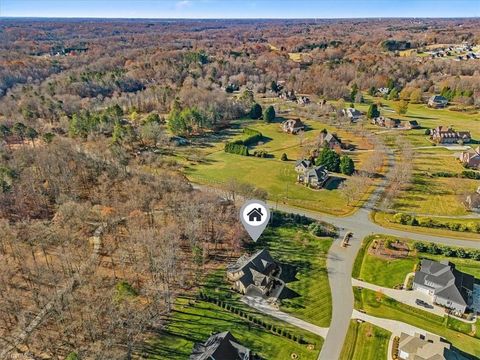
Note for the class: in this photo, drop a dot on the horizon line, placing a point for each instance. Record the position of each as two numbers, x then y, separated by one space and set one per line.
237 18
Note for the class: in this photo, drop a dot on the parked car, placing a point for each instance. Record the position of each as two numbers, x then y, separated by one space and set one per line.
423 303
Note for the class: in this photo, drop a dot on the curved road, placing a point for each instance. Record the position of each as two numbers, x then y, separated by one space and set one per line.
340 260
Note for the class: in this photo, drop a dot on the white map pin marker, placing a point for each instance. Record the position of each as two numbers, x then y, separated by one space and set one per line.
254 215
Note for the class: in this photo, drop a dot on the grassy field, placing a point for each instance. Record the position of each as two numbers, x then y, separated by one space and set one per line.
383 306
194 321
277 177
435 195
389 273
386 220
365 341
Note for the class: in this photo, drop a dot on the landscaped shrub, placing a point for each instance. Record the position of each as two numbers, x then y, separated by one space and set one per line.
253 136
235 148
432 248
406 219
319 229
260 153
284 157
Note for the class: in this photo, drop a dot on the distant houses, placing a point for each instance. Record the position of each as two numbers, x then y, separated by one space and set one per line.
411 124
303 100
446 285
386 122
437 102
352 113
422 347
293 126
447 135
314 177
471 158
221 346
254 274
330 140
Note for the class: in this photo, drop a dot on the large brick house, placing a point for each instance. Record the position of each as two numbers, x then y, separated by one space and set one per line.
471 158
447 135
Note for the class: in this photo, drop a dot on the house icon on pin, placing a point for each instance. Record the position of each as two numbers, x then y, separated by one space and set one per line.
255 214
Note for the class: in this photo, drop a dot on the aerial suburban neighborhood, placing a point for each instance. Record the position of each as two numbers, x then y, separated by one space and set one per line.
239 180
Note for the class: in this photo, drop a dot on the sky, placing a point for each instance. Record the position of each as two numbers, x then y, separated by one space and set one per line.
239 9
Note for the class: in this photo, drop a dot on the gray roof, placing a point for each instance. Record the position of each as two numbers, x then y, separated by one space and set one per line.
221 346
304 163
450 284
438 98
255 268
318 172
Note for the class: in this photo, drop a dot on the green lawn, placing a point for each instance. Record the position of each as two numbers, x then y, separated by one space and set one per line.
194 321
386 220
277 177
365 341
307 253
389 308
389 273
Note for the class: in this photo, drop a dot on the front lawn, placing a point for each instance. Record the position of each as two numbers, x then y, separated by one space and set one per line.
298 249
390 272
194 321
379 305
365 341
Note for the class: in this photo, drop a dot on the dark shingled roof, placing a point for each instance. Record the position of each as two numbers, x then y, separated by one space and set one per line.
451 284
222 346
253 266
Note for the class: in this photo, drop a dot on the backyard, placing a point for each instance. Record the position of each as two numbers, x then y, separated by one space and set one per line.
365 341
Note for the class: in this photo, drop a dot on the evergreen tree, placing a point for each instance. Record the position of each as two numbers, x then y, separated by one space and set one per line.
256 111
353 92
269 114
373 111
330 159
347 166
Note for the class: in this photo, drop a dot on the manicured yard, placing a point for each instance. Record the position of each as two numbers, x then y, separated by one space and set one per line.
365 341
194 321
388 273
382 306
277 177
307 254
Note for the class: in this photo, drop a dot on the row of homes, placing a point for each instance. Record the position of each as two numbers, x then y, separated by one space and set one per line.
390 123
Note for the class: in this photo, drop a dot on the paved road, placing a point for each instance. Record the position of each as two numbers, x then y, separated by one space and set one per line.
262 306
340 260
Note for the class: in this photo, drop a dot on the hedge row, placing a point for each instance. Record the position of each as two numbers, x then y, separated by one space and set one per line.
236 148
465 174
434 249
253 136
411 220
260 322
